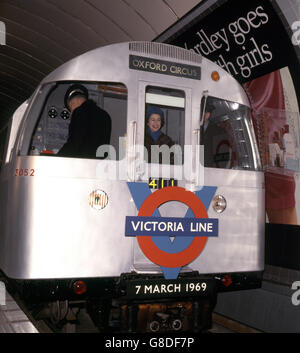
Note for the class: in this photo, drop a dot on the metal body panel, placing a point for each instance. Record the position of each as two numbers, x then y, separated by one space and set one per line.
48 228
240 244
61 236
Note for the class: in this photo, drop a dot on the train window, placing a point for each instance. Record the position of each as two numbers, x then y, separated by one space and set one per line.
3 138
164 125
227 135
52 131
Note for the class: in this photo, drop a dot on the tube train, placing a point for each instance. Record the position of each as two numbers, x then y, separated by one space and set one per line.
71 229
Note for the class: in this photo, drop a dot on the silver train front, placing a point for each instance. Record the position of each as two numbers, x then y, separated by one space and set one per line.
51 231
48 228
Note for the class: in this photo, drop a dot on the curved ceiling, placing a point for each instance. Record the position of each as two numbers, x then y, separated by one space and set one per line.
43 34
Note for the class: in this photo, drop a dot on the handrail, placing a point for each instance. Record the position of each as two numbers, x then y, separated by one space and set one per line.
132 158
205 94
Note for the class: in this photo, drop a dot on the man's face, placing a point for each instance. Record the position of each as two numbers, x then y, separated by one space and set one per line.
206 116
75 103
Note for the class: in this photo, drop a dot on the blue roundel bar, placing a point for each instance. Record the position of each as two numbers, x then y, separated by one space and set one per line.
171 226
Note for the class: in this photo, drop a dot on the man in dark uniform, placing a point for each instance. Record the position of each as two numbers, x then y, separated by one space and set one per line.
213 131
90 126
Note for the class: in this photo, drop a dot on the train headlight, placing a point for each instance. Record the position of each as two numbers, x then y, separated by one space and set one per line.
219 203
98 199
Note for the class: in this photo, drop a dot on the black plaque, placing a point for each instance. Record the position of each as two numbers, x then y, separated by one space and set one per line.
164 67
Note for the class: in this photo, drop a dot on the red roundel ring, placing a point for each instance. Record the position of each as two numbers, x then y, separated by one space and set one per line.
146 244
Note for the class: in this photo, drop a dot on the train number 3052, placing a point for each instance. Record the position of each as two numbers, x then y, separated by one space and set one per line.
24 172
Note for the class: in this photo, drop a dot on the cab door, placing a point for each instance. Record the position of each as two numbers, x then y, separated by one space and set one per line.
163 156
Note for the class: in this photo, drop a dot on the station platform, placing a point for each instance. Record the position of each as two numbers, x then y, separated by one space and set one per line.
12 318
270 308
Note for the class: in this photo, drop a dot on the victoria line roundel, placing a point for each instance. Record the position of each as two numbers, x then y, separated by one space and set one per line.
147 245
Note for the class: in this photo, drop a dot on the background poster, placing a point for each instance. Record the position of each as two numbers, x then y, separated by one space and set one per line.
275 116
248 41
251 43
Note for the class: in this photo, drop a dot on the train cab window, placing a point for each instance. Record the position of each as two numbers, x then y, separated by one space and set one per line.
164 125
53 127
3 138
227 135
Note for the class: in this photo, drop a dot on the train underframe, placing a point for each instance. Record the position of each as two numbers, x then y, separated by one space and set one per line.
112 305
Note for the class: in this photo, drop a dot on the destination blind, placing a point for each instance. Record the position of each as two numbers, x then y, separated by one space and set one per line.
164 67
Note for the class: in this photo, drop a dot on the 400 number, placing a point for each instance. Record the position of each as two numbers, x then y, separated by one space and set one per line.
161 183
